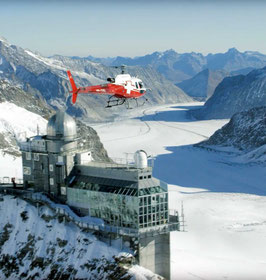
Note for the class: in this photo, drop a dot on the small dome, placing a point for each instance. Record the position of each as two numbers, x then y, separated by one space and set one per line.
61 126
141 159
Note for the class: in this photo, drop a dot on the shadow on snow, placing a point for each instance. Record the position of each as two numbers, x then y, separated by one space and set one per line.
192 167
181 115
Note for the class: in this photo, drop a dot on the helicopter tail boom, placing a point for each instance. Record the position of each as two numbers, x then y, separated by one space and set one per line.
75 90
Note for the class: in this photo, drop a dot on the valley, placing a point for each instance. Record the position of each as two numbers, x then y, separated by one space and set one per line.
224 201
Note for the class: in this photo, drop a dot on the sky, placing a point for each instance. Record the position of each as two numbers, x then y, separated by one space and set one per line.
133 28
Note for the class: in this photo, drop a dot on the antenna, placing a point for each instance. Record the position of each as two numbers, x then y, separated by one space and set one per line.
122 67
182 216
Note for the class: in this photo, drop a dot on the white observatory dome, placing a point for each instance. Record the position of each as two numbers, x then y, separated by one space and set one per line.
61 126
141 159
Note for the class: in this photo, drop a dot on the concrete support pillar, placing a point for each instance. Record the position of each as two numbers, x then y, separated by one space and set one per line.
154 254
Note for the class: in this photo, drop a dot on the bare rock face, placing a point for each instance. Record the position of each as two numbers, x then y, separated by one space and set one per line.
235 94
89 136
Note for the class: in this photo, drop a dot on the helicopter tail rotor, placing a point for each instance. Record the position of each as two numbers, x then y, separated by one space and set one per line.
74 87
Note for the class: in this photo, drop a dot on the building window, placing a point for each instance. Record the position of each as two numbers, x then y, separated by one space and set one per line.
51 168
26 170
51 181
28 155
63 190
36 157
60 159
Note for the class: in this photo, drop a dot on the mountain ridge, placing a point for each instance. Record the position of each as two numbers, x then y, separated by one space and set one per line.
48 77
235 94
178 67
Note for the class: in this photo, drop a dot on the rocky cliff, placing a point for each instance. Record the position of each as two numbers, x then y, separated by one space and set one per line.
246 131
235 94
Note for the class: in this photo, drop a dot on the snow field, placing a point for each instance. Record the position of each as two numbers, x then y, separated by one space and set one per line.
224 198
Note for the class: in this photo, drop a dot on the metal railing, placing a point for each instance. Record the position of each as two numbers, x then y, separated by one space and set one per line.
122 163
32 147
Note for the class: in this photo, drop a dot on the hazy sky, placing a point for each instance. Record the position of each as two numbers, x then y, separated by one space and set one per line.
132 28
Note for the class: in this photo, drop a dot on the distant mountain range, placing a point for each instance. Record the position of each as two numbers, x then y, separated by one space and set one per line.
47 77
178 67
235 94
246 132
202 85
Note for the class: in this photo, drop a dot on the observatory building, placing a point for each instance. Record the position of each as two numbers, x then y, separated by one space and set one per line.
130 202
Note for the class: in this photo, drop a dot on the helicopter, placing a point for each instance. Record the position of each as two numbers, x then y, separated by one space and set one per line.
122 88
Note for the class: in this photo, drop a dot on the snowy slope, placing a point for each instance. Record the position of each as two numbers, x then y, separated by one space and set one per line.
16 123
35 243
224 200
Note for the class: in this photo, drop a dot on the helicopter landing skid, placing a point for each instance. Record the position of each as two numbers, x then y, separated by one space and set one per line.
139 105
116 102
120 101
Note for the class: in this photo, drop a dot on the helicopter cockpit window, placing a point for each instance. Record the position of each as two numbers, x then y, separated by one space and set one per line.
141 85
137 86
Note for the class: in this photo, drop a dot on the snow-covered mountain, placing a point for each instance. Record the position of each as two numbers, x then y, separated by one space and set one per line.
176 67
235 94
30 100
23 114
48 77
246 131
202 85
38 243
181 66
17 123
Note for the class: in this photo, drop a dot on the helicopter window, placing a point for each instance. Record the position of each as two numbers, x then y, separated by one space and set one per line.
137 86
141 85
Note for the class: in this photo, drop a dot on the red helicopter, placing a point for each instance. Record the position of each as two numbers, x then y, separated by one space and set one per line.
121 88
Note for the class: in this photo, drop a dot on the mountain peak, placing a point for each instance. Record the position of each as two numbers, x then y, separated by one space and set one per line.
232 50
170 51
2 39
